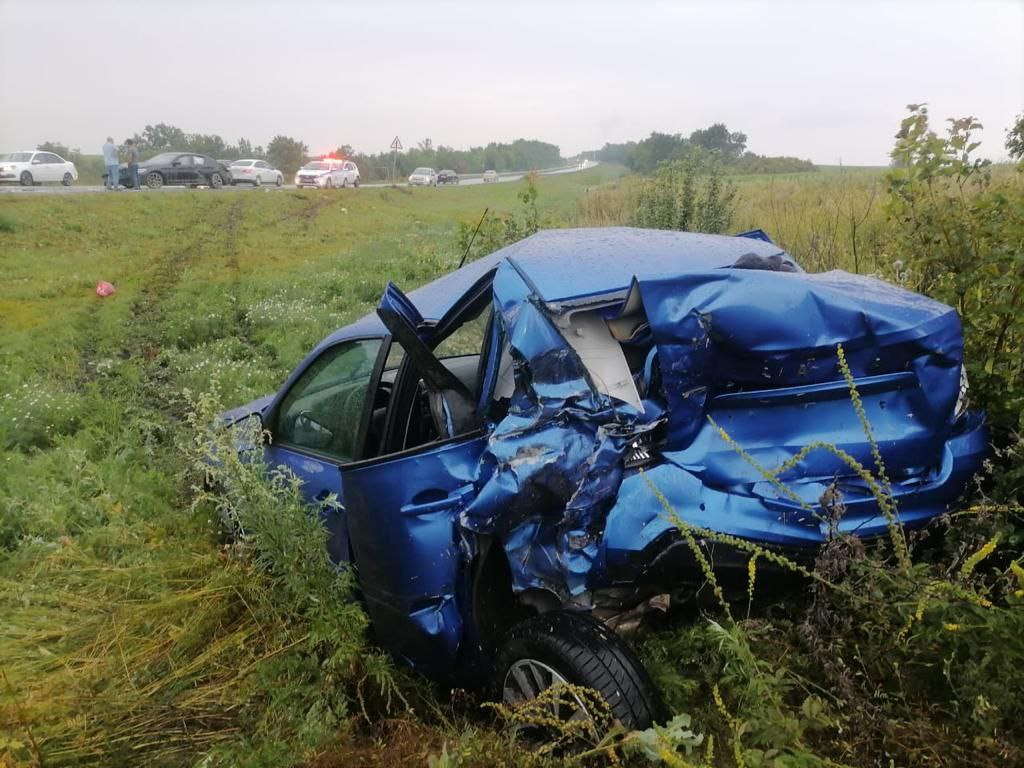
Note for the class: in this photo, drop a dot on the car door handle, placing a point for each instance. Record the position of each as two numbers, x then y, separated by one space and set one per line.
457 498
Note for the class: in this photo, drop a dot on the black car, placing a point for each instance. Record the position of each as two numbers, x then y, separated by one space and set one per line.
182 169
447 177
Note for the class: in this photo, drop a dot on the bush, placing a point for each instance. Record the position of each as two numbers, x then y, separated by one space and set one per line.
688 194
961 236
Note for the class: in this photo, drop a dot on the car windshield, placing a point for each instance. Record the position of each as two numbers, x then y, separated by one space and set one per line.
316 167
422 172
165 157
19 157
241 163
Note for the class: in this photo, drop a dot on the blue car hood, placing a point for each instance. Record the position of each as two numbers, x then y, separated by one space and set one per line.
255 407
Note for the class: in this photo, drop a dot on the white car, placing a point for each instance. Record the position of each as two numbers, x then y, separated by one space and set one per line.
327 173
490 176
32 167
255 172
425 177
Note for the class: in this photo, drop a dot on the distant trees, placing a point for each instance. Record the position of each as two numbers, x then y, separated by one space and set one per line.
287 154
520 155
1015 139
729 147
60 149
718 138
168 138
656 148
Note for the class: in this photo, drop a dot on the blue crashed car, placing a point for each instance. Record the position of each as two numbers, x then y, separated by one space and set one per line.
506 443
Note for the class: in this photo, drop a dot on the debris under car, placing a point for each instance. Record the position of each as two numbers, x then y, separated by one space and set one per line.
506 456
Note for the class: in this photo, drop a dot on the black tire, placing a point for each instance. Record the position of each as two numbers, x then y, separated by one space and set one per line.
356 183
344 183
154 180
257 182
216 180
584 652
68 180
26 179
280 180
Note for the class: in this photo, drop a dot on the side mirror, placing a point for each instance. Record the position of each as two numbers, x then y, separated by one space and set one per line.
176 163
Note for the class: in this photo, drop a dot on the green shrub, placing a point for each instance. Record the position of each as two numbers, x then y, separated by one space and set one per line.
961 236
689 194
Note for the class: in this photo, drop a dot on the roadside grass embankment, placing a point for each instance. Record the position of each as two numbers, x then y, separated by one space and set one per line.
130 636
127 635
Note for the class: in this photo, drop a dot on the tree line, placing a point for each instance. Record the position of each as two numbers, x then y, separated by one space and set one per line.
289 154
647 155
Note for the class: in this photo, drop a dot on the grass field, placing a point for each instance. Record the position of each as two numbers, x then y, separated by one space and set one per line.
129 636
224 291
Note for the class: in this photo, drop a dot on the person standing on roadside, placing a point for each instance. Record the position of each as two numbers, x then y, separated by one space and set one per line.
133 162
110 160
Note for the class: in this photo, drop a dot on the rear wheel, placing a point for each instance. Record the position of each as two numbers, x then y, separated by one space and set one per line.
25 179
68 180
216 180
563 647
258 182
154 180
280 180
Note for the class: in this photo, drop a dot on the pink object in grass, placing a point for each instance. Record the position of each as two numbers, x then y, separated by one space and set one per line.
103 289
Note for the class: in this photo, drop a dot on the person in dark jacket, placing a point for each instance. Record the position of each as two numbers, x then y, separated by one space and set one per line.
132 153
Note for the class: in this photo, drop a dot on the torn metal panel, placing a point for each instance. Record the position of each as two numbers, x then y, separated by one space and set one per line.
720 344
553 463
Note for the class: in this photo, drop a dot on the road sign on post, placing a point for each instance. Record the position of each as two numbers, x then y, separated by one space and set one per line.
396 147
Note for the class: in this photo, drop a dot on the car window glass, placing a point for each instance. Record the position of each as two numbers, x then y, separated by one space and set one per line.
184 160
48 158
261 164
468 338
396 354
200 160
323 410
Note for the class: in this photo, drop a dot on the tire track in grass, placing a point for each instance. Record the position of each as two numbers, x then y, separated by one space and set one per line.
149 311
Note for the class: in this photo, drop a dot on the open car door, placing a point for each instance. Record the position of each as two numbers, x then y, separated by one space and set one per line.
404 506
452 406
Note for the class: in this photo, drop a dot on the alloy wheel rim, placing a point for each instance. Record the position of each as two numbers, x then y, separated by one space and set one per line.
528 678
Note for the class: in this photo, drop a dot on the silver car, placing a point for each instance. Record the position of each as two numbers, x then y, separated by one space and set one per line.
423 177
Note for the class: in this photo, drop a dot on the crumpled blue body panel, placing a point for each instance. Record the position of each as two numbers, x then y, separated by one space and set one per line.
755 351
553 465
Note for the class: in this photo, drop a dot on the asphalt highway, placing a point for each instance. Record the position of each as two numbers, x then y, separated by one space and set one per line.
58 189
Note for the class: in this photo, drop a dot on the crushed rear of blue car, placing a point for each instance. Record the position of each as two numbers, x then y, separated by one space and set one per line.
504 446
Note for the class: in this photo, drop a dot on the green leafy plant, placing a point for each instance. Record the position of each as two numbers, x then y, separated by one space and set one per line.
961 235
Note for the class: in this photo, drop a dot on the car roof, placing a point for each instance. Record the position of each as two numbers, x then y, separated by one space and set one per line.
572 264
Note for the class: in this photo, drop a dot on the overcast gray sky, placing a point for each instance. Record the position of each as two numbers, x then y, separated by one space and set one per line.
820 80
